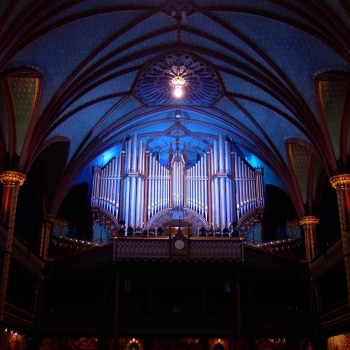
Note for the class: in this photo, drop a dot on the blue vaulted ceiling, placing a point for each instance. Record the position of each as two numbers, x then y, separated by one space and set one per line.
264 55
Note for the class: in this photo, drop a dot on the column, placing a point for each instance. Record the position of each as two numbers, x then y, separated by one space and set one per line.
309 225
11 181
342 185
39 295
46 222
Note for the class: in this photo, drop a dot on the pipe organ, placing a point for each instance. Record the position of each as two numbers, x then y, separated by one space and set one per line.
177 166
221 186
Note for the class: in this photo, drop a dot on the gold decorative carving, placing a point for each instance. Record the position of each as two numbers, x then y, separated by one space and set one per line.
46 219
309 220
12 178
340 181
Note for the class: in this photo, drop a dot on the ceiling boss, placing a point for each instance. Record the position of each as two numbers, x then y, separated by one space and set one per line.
178 79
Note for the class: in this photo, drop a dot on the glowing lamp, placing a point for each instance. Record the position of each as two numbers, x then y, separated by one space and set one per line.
178 91
178 82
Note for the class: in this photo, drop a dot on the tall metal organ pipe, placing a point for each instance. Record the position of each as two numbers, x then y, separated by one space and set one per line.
220 179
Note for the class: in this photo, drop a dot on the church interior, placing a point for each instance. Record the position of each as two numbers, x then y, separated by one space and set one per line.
175 174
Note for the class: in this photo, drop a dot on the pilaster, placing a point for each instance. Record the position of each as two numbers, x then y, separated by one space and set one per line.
309 224
11 181
46 222
341 183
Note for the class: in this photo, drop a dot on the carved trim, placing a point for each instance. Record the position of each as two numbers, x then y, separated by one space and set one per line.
157 78
108 220
331 257
309 220
340 181
12 178
249 219
164 218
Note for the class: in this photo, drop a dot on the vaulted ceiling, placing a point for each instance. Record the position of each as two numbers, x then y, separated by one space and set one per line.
78 77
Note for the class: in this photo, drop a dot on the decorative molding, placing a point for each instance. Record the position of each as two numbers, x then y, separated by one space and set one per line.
248 220
322 263
201 84
26 258
164 219
12 178
217 249
108 220
46 219
18 316
179 9
269 261
340 181
87 259
335 319
309 221
157 249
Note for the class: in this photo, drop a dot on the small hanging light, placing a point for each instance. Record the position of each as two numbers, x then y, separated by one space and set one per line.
178 82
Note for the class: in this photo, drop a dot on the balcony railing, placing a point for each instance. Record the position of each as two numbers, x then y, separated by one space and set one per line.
18 317
327 259
337 316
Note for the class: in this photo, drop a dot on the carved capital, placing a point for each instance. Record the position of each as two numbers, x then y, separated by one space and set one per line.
47 219
340 181
309 221
12 178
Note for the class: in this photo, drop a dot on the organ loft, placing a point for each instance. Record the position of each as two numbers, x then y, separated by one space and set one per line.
175 175
145 191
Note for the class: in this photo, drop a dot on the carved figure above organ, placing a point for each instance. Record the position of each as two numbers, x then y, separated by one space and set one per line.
219 187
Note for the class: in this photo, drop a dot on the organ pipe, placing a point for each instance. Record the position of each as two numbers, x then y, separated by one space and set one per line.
145 193
221 186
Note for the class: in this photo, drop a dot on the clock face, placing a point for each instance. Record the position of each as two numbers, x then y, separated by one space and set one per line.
179 244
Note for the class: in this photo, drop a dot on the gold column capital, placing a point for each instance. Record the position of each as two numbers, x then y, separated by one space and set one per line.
340 181
309 221
12 178
46 218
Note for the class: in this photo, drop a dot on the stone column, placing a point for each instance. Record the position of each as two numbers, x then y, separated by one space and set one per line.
309 225
11 181
46 222
341 183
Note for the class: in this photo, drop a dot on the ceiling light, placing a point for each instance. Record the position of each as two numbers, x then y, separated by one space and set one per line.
178 91
178 82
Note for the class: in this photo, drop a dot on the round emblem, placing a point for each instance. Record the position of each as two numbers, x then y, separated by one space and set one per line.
179 244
